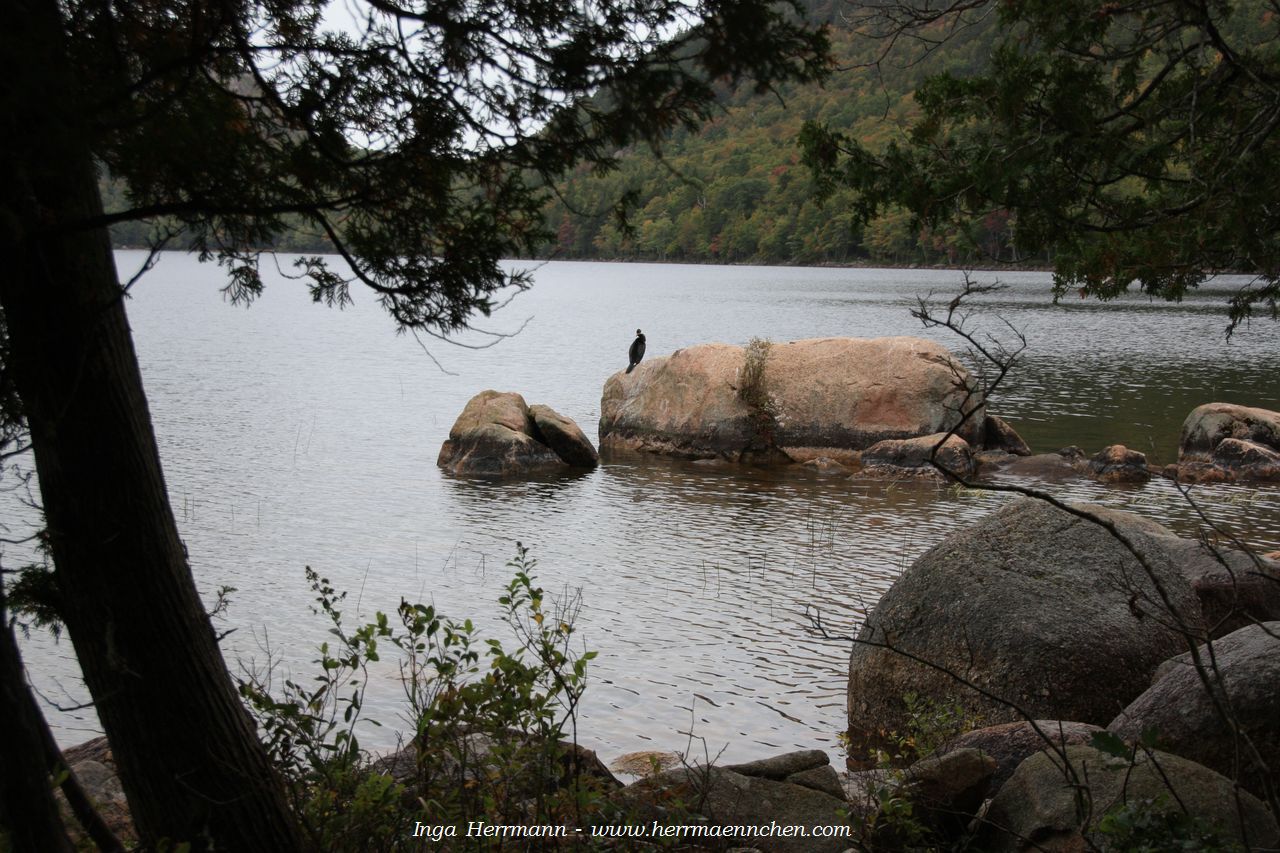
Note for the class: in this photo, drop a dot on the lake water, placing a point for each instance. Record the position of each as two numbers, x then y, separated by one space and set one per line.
297 435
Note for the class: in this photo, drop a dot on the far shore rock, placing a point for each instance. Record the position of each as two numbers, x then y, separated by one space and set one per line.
499 435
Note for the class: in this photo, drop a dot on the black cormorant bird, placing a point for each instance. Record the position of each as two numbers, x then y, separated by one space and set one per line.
636 352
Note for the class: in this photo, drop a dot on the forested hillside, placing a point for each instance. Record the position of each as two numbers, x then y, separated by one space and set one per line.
736 191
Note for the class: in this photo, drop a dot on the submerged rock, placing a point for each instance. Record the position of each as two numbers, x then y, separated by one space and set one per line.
823 465
1119 464
829 397
1049 467
644 763
1112 465
899 457
499 435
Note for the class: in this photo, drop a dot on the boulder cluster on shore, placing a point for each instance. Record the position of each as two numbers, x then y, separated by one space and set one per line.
1067 631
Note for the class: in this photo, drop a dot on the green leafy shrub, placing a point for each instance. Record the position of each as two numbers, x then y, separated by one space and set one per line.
489 722
1156 826
895 822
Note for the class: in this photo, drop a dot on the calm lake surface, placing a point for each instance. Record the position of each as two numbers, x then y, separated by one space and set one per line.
296 435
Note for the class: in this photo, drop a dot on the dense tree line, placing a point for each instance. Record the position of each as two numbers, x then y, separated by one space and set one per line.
1137 141
739 189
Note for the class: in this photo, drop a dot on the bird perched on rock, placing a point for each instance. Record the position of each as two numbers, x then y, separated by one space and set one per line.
636 352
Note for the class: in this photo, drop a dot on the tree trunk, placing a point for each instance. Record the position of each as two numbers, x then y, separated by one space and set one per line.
187 751
27 808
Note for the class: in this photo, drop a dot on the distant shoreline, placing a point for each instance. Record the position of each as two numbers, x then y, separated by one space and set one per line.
862 264
854 265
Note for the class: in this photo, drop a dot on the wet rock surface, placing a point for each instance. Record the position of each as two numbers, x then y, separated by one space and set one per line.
498 435
1224 442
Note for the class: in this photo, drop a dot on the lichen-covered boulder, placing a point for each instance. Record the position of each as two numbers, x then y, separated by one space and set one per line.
498 436
1031 604
1039 808
827 397
1187 722
1224 442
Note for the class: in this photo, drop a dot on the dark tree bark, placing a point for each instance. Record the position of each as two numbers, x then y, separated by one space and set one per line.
187 751
27 807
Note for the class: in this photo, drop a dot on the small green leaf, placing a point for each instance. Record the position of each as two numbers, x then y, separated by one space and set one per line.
1110 744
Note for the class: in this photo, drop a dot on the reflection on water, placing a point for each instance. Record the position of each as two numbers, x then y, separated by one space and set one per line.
295 436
